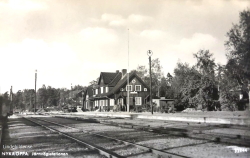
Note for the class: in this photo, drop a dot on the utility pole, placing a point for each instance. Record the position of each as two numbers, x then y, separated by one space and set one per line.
11 97
248 95
35 92
150 53
128 77
82 99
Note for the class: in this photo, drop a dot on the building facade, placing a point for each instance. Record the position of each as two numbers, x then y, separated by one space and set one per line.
88 101
112 91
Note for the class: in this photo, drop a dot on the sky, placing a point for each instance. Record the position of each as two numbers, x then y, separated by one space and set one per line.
72 41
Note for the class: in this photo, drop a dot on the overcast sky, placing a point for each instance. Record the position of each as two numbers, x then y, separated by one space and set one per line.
72 41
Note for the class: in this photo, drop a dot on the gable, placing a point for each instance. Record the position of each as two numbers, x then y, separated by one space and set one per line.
89 92
123 82
135 81
101 82
106 78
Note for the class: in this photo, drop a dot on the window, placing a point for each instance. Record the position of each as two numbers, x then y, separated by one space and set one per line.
107 89
101 90
137 100
112 102
96 91
129 87
137 87
145 89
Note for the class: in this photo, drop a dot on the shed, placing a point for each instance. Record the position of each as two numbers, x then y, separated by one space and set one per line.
163 103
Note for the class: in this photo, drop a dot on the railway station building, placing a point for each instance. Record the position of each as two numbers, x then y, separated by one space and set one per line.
111 92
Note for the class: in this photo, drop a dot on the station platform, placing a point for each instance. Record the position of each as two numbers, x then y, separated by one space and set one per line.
217 117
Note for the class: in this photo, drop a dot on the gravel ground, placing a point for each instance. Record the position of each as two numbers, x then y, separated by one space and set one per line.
23 136
227 131
209 150
113 145
179 145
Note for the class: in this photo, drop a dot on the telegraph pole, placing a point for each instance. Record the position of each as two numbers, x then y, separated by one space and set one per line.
35 91
128 77
249 95
11 97
150 53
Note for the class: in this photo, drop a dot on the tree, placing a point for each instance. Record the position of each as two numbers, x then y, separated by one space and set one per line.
28 99
165 87
157 75
94 83
78 87
169 79
208 90
1 106
205 64
53 96
142 72
4 104
42 96
17 100
185 86
195 86
236 73
228 85
238 47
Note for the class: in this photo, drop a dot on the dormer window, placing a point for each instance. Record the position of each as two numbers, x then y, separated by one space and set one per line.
101 90
145 89
107 89
137 87
96 91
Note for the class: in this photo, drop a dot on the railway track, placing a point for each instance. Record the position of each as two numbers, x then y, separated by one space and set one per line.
190 130
105 145
23 138
202 133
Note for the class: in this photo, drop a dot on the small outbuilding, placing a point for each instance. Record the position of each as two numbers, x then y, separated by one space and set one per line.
163 104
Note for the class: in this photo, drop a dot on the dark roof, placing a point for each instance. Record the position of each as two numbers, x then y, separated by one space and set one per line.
115 80
113 83
107 77
123 82
88 91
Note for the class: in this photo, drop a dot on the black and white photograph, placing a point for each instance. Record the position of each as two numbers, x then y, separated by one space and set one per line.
125 78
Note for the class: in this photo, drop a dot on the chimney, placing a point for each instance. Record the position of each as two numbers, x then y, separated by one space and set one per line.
124 72
117 71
